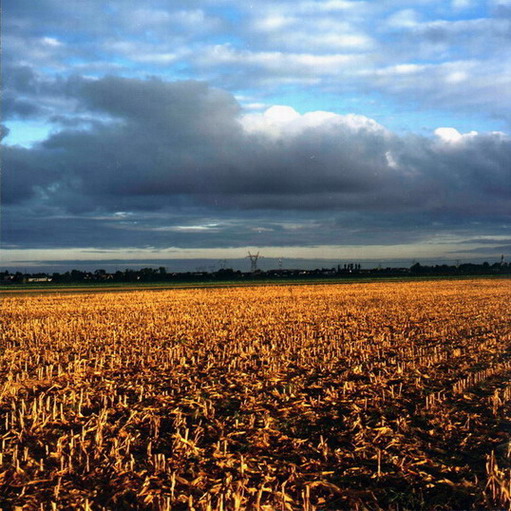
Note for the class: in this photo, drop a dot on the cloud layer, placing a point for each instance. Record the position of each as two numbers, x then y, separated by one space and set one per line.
226 124
159 151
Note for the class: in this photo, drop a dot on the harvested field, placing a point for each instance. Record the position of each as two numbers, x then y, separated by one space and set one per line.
387 396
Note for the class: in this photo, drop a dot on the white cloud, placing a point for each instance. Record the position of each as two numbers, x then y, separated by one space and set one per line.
146 53
51 41
459 5
449 135
457 77
406 18
271 122
330 6
196 19
391 162
498 3
401 69
281 114
273 22
169 20
284 121
157 58
255 106
282 63
143 17
324 41
314 33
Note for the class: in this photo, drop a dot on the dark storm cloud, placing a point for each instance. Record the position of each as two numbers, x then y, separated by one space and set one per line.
4 131
168 139
28 95
19 93
13 108
27 172
21 78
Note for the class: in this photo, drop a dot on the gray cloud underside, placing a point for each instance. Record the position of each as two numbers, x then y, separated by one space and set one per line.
201 228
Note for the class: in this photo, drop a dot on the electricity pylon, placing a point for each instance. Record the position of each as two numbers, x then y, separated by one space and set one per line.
253 261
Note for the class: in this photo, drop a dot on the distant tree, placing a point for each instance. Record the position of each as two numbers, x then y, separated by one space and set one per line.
416 268
76 276
130 275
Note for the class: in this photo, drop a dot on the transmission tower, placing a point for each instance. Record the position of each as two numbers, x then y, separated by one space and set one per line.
253 261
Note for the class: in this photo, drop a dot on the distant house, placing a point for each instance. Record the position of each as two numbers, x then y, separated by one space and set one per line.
39 279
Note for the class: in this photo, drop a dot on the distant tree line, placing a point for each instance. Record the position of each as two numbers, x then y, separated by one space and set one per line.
161 274
102 276
462 269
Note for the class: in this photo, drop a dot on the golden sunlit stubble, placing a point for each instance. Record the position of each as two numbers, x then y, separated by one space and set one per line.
363 396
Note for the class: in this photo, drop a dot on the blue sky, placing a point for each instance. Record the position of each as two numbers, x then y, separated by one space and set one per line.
376 129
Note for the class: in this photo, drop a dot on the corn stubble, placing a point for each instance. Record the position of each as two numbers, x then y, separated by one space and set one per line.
387 396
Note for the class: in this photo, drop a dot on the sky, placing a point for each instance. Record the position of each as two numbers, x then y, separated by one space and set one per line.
339 130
